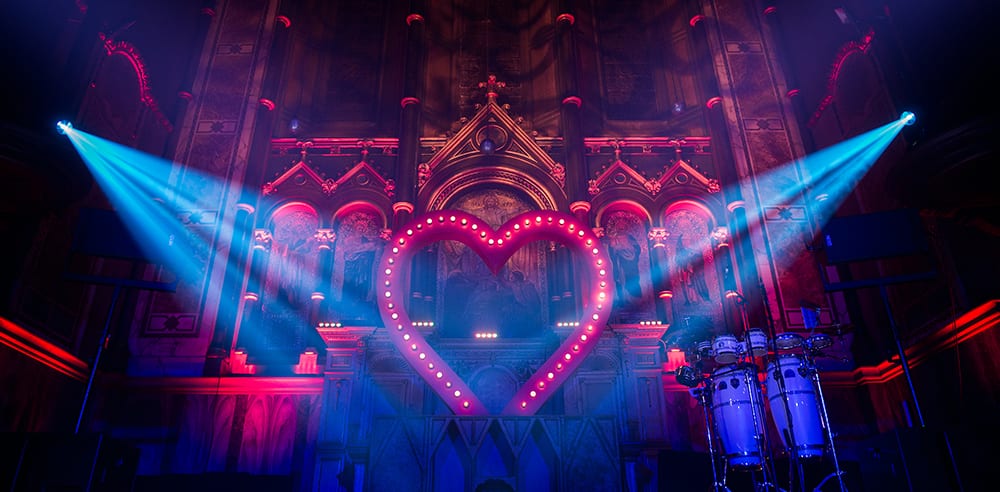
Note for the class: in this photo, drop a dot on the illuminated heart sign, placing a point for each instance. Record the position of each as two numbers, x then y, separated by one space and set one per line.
494 247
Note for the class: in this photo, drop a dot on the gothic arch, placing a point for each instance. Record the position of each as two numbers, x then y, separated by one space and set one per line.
438 196
623 205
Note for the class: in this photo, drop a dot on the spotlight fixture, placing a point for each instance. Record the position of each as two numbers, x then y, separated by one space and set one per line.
63 126
908 118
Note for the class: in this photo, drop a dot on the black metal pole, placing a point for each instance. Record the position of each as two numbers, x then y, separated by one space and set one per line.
794 465
97 358
902 353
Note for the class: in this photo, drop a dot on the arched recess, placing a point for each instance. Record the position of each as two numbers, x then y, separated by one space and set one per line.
113 104
291 276
695 283
625 225
359 227
443 187
512 302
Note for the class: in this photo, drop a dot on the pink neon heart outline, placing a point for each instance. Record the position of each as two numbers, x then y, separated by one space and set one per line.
494 247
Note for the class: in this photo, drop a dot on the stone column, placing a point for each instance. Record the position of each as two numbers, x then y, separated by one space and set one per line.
214 142
252 297
572 126
260 144
343 373
725 165
765 144
184 96
325 239
409 137
733 300
661 274
225 324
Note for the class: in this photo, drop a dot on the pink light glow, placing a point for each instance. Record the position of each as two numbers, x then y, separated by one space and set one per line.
494 247
851 48
126 49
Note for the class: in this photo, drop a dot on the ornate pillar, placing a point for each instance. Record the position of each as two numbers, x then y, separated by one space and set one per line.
260 145
409 138
235 268
225 324
725 165
186 95
765 146
337 466
325 239
645 405
572 126
733 301
252 297
661 274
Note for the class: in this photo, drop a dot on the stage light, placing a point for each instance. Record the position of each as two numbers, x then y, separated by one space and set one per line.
63 126
908 118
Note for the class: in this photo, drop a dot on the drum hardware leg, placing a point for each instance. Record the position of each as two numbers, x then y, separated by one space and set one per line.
760 427
829 431
793 450
795 469
763 444
839 474
716 485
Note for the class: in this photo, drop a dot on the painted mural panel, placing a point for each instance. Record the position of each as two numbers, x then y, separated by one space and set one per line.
359 246
473 298
697 299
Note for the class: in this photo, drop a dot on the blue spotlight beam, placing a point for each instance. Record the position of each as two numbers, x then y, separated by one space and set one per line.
832 172
142 188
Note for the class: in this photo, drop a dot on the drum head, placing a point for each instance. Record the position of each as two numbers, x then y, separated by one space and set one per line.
819 341
788 341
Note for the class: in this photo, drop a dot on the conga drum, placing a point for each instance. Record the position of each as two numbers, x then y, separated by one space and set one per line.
734 387
803 409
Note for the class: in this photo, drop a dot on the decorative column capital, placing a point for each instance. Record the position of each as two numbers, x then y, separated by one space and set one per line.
721 236
579 207
262 239
658 237
325 238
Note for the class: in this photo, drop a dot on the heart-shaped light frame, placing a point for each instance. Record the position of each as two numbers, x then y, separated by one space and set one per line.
494 247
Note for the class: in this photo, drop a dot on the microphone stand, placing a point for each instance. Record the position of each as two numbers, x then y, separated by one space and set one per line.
794 466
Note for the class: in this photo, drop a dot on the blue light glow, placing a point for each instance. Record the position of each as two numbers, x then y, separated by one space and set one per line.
173 213
63 126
